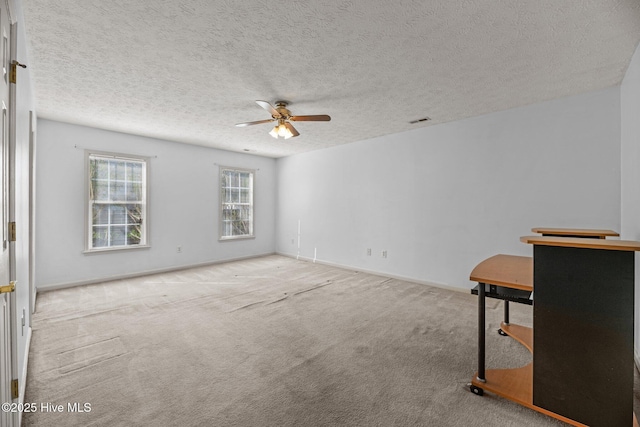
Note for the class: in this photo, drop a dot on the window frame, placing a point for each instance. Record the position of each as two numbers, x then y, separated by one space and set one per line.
222 203
88 227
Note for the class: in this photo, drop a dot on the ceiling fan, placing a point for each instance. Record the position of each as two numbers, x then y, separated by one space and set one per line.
280 114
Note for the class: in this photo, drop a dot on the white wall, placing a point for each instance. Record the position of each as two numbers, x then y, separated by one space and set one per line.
183 205
441 199
630 169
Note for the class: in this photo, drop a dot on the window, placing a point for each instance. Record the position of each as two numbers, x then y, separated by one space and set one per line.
236 202
117 205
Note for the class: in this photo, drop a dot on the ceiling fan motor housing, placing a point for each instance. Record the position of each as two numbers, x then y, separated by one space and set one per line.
281 107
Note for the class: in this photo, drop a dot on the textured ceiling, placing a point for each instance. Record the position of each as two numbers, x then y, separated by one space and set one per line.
189 70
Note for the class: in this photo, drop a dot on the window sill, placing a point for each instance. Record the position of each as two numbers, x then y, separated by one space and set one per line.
114 249
232 239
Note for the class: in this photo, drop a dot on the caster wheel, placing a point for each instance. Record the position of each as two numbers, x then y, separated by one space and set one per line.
476 390
503 333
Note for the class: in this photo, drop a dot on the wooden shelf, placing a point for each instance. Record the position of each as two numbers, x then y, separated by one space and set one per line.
522 334
516 385
510 271
577 242
584 232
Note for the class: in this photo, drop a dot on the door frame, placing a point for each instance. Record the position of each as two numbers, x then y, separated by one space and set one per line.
8 198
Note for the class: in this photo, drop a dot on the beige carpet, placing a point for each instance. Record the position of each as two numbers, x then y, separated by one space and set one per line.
267 342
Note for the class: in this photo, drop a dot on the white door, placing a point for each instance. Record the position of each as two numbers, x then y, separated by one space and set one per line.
7 298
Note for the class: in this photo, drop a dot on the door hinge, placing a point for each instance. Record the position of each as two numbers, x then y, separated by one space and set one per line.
15 389
12 231
13 73
8 288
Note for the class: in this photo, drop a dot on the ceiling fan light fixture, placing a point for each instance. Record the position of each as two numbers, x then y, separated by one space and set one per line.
284 132
280 131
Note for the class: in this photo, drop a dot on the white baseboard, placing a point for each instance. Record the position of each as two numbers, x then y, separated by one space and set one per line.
52 287
379 273
23 376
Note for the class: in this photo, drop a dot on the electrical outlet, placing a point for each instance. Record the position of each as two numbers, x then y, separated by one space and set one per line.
384 254
179 249
368 251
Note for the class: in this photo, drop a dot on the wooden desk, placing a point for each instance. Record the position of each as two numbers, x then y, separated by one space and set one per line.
575 232
559 342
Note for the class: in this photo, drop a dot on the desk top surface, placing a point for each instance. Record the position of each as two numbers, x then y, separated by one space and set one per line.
575 232
510 271
578 242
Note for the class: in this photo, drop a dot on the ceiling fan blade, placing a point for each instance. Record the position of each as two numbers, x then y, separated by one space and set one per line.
291 129
254 123
317 118
270 108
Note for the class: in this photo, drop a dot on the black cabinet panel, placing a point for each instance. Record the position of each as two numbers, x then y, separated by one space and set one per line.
583 334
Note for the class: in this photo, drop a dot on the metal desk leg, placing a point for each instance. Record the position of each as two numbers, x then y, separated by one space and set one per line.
481 332
506 318
506 312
